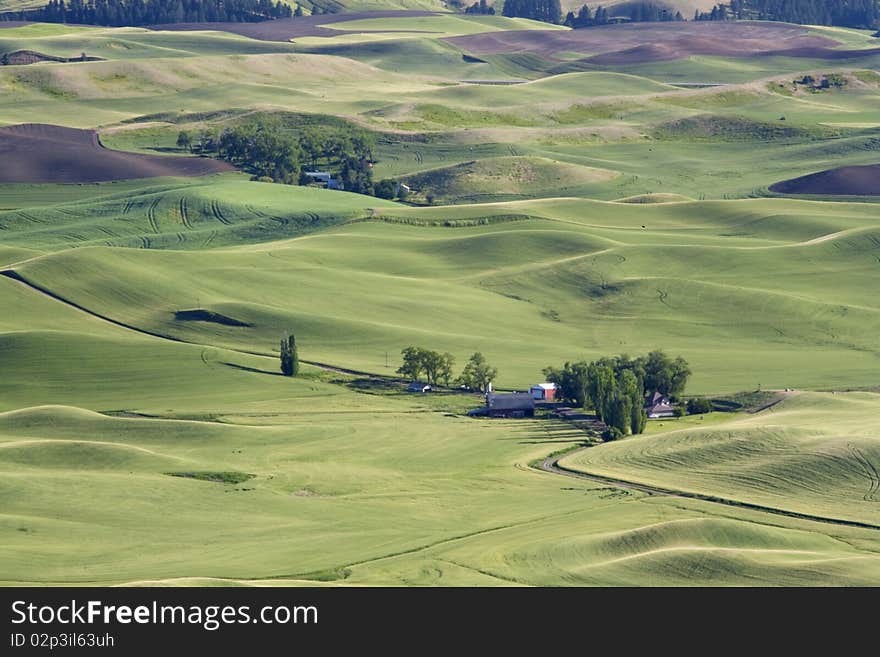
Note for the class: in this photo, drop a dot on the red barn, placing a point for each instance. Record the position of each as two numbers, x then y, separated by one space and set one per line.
543 391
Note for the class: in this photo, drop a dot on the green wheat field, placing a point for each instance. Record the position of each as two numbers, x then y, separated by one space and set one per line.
575 211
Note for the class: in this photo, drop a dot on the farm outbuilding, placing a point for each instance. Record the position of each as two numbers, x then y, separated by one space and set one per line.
513 404
543 391
326 178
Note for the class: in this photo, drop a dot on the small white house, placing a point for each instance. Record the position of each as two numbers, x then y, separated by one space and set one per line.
326 178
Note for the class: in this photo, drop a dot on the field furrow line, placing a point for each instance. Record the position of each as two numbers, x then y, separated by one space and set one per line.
870 472
30 217
151 215
218 213
184 217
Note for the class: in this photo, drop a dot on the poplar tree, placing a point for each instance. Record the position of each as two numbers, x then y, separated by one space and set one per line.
289 356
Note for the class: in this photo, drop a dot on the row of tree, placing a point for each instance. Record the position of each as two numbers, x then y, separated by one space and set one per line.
154 12
648 12
640 12
548 11
481 7
432 366
585 17
616 387
844 13
269 152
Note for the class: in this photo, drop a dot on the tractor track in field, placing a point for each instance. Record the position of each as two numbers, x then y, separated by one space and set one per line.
870 472
36 287
218 213
184 217
661 297
551 465
210 238
151 215
31 218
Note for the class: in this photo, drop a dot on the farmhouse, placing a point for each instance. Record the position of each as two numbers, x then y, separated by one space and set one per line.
658 405
324 177
514 404
543 391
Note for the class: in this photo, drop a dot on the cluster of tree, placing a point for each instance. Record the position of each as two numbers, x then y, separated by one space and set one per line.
480 8
390 189
640 12
648 12
477 373
844 13
153 12
586 18
547 11
699 405
615 387
289 356
828 81
435 368
269 152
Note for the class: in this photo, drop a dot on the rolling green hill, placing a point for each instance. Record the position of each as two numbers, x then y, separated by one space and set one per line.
789 456
794 277
576 211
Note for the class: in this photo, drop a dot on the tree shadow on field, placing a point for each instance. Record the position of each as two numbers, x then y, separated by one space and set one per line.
251 369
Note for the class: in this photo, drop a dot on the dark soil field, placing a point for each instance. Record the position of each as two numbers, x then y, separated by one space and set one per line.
285 29
843 181
21 57
37 153
649 42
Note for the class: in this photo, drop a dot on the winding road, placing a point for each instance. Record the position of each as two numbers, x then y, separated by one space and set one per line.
551 464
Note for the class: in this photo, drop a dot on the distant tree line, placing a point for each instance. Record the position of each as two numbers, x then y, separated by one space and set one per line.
480 7
435 368
116 13
270 153
547 11
640 12
616 387
843 13
585 17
